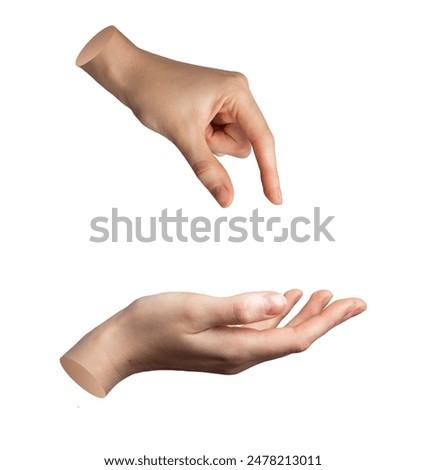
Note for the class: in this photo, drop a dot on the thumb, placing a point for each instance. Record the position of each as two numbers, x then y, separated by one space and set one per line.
207 168
242 309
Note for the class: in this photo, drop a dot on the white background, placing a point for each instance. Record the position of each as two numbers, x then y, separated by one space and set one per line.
342 85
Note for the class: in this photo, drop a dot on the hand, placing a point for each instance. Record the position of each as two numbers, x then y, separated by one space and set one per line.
184 331
203 111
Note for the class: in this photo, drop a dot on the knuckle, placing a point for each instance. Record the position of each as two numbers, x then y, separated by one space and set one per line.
234 361
238 80
233 371
300 343
343 304
266 140
240 311
268 137
201 167
301 346
191 309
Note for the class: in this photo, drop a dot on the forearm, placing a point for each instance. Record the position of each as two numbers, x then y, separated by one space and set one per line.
114 62
98 361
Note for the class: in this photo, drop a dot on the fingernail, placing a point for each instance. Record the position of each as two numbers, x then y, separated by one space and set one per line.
276 302
221 194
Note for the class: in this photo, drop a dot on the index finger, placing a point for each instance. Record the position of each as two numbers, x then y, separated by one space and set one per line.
254 125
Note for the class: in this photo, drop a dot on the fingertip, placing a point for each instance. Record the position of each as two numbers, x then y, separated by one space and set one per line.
294 293
354 307
278 196
223 195
324 293
208 169
274 195
360 305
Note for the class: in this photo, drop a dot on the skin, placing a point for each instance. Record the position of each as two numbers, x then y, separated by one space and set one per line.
194 332
205 112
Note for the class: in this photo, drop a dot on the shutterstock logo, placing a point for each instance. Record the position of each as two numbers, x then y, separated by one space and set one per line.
179 228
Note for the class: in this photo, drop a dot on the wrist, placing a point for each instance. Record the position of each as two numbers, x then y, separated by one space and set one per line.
111 59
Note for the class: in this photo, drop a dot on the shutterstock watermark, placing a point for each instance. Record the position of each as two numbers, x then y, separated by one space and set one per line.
179 228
